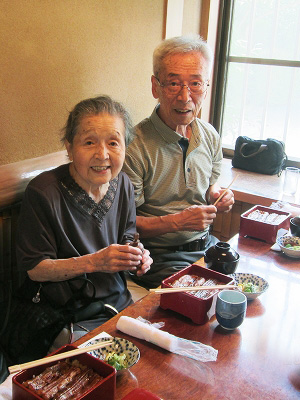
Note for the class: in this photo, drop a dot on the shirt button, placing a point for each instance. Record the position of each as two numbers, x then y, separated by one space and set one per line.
189 170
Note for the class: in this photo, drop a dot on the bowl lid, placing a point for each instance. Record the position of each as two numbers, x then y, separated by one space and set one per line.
221 252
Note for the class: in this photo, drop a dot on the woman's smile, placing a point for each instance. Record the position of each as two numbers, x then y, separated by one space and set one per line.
99 169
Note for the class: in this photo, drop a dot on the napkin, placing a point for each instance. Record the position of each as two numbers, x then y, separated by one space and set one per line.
6 388
141 330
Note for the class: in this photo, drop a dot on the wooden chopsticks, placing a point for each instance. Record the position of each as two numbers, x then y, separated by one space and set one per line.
57 357
225 191
191 288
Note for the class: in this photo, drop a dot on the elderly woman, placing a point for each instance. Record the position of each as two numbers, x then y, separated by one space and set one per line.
77 220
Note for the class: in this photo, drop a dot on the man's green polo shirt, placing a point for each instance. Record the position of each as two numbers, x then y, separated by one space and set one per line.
163 183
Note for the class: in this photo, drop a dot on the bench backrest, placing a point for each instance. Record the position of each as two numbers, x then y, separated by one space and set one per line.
13 181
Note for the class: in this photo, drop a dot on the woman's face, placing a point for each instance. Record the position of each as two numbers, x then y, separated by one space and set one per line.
97 151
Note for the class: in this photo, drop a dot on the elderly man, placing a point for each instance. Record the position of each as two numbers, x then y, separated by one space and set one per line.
175 161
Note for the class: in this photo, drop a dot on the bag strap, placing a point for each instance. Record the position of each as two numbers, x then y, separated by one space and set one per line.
87 309
92 307
86 281
261 148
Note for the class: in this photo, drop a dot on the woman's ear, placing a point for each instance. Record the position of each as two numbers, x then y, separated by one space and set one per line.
68 147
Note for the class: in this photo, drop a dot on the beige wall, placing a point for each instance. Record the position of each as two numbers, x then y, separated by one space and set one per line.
56 53
191 16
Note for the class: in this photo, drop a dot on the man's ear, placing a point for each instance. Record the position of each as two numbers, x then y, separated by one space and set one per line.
155 86
206 92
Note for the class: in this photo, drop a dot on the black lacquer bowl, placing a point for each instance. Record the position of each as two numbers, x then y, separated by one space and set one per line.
222 258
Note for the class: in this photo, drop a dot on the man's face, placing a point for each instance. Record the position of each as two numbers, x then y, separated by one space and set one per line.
179 110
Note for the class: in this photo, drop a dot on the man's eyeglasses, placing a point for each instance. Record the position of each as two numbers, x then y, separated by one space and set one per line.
173 87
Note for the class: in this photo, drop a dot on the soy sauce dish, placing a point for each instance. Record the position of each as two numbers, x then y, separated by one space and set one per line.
251 285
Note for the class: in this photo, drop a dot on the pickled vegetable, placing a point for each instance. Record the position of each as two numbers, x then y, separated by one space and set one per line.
248 287
117 361
289 246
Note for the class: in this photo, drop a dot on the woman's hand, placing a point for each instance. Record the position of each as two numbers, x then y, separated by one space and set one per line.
145 263
111 259
118 257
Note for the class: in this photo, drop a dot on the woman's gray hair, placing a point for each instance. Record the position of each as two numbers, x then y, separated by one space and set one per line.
181 44
95 106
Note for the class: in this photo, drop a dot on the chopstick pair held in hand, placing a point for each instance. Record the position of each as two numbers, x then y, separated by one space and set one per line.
225 191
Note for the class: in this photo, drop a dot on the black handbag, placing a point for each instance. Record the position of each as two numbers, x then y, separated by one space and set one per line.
31 320
261 156
30 329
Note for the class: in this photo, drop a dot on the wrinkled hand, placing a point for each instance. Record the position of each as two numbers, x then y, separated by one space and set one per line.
146 261
227 201
195 218
118 257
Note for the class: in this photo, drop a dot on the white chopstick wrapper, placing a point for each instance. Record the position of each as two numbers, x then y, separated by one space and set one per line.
196 350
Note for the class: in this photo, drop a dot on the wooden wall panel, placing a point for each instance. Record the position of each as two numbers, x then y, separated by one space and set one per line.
226 225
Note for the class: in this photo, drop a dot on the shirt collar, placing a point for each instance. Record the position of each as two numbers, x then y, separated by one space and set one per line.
168 134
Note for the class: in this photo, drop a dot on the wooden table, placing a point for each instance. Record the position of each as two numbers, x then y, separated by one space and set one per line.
254 188
259 360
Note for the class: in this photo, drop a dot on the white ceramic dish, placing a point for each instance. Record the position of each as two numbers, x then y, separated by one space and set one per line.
261 283
119 346
294 241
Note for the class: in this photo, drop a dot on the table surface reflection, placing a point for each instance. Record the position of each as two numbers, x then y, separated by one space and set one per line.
259 360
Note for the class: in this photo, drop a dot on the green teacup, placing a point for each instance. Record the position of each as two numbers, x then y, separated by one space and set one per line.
231 308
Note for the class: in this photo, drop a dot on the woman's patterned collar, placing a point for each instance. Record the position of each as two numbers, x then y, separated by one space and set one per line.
84 202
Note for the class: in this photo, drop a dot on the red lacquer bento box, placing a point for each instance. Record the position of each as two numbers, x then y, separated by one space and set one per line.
104 390
186 303
266 226
141 394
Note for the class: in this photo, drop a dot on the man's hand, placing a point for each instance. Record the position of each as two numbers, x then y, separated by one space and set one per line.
195 218
226 202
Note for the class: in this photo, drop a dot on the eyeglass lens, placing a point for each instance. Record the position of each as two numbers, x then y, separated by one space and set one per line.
175 89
